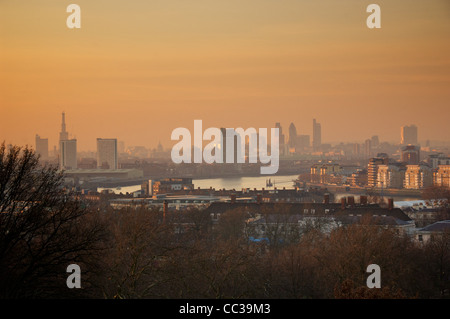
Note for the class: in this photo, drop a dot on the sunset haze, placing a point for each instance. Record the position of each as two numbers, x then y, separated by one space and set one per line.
137 70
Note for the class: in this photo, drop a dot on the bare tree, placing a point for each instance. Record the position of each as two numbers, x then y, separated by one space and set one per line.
141 245
346 253
232 224
437 253
347 290
43 229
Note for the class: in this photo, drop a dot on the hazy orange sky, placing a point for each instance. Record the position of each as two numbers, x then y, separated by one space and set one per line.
136 70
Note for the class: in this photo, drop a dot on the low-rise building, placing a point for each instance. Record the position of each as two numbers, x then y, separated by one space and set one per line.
166 185
358 178
438 229
324 172
424 212
285 219
157 201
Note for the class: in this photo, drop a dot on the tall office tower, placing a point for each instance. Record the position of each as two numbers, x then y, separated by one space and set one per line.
411 154
409 135
317 135
68 154
223 144
107 153
356 149
42 147
304 142
229 144
282 140
368 148
292 136
63 135
375 141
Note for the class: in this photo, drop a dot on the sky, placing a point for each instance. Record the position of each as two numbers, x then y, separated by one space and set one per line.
136 70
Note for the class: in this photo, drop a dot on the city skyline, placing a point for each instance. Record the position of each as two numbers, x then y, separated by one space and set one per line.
224 149
138 72
66 135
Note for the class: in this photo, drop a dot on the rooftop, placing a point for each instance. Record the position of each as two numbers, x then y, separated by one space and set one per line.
440 226
312 209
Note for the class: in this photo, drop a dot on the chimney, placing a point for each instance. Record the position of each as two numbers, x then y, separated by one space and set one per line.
390 203
343 202
351 201
165 210
363 200
326 198
259 198
233 198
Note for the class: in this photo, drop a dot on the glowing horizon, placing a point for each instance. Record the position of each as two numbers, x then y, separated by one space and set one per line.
136 72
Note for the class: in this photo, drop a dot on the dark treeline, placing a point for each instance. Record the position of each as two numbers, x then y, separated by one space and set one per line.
149 259
144 253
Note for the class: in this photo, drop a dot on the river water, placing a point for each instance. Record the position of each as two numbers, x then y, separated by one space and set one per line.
237 183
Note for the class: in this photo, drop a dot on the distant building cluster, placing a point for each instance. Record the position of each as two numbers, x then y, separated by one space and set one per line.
403 168
384 172
106 151
296 143
372 164
67 155
103 165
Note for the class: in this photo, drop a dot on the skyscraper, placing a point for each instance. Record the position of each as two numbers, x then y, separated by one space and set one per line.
42 147
230 144
317 135
223 144
368 148
67 148
304 142
107 153
68 154
63 135
409 135
292 136
282 139
375 141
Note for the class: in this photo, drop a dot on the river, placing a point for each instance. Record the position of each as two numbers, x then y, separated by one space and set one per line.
237 183
259 182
